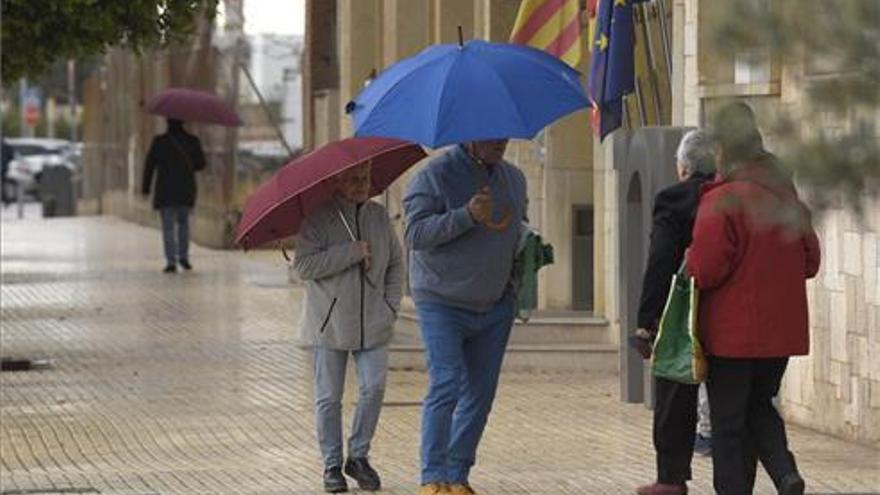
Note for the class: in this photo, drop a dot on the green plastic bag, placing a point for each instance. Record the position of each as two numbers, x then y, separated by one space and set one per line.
678 355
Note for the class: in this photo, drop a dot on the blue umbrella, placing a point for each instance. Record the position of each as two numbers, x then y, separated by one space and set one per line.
453 94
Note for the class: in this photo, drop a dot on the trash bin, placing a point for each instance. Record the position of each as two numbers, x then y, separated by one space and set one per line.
56 192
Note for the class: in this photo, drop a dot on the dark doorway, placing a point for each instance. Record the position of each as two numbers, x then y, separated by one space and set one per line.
582 257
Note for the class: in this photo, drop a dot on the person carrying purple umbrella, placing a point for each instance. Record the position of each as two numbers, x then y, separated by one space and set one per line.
461 275
348 255
174 157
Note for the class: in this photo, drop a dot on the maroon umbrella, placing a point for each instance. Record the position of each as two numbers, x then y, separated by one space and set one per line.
194 106
276 209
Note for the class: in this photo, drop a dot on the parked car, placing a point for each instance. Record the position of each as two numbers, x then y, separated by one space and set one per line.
32 155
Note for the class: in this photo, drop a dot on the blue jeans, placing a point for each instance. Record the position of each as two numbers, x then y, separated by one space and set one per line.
464 353
176 243
330 365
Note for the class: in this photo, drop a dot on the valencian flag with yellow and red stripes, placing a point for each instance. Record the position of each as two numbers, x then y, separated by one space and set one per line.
550 25
612 69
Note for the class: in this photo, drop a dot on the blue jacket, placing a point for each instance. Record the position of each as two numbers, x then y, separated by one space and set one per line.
453 260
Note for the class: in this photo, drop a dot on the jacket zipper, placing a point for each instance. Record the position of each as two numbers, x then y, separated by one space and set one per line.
329 312
357 223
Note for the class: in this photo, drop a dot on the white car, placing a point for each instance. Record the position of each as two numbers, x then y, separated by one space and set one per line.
32 155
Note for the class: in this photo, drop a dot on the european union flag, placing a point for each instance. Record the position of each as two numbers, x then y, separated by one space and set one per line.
612 70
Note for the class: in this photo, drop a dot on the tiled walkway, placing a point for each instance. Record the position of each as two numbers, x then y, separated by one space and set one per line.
192 383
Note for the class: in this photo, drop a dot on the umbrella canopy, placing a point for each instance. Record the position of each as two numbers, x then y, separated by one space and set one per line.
453 94
276 209
194 106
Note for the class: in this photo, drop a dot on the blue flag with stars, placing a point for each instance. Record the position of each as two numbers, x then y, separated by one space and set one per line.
612 69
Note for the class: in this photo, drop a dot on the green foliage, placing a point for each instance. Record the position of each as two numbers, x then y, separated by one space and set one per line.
63 129
35 34
12 121
53 81
12 125
831 139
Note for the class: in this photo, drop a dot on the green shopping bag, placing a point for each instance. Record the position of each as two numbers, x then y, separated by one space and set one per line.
678 355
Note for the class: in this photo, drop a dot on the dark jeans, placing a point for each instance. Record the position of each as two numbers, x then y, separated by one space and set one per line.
745 424
675 423
175 233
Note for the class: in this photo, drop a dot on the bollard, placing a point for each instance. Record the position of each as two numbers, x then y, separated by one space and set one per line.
49 205
19 198
56 192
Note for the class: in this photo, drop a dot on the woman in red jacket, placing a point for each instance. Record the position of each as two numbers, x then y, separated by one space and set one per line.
753 250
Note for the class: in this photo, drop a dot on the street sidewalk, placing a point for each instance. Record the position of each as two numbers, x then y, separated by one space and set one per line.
192 383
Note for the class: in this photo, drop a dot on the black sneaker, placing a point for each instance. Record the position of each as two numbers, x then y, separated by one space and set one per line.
334 481
792 484
170 268
185 264
367 477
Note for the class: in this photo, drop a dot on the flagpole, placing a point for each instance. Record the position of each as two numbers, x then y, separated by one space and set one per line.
667 49
652 64
640 99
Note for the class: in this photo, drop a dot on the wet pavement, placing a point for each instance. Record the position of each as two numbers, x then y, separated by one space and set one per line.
192 383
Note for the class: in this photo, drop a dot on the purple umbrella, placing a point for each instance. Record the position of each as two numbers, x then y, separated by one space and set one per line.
194 106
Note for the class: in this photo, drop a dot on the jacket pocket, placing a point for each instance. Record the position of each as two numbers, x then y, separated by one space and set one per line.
329 312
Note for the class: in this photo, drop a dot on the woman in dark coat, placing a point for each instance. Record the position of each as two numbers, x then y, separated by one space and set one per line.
174 158
753 249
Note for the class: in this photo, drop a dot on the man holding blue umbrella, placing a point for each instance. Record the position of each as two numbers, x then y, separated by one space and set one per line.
464 214
461 275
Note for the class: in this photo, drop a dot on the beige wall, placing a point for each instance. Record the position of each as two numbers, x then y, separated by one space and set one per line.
567 181
836 388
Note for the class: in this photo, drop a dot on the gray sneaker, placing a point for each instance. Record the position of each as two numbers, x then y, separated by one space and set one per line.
367 477
334 481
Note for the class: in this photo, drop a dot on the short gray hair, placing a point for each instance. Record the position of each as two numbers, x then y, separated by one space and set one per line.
696 152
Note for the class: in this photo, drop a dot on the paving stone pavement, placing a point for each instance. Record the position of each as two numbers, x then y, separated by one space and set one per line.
192 383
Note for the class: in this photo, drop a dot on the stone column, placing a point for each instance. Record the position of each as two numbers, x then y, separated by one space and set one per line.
404 29
678 62
691 77
405 33
493 19
360 50
448 15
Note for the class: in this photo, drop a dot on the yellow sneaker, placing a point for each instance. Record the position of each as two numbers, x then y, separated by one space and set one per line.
460 489
433 489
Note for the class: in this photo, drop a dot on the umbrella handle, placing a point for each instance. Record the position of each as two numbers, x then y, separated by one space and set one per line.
284 252
502 224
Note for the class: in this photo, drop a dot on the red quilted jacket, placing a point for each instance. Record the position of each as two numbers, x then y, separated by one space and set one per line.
753 249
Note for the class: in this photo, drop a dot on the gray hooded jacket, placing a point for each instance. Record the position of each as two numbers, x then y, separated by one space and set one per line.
348 308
